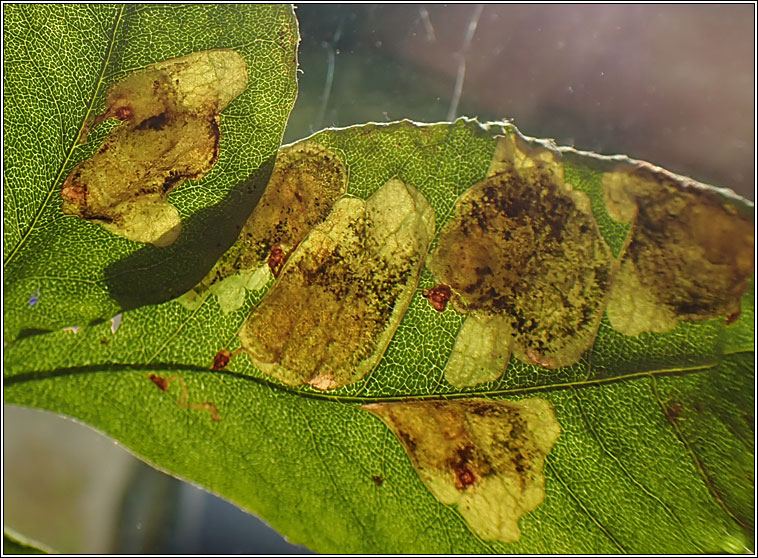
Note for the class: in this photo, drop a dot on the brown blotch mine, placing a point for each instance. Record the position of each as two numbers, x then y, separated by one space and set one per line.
485 456
169 133
673 409
341 295
689 255
306 182
525 246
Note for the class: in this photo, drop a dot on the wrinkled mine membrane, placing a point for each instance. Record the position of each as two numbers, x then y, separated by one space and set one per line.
306 182
484 456
169 133
525 258
689 255
342 293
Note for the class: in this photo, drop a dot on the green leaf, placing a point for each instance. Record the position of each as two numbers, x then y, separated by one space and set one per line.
655 453
13 543
59 60
626 475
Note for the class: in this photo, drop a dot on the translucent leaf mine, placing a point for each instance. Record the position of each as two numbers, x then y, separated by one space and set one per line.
480 353
689 255
306 182
342 293
169 133
485 456
523 246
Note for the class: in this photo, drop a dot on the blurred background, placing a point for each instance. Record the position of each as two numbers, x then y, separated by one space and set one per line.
671 84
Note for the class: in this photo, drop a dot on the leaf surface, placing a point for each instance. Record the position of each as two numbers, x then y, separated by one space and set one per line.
655 453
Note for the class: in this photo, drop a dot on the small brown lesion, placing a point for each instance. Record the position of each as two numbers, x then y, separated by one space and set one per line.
222 359
538 360
462 467
464 477
673 409
159 381
731 318
438 297
276 259
378 479
73 194
124 112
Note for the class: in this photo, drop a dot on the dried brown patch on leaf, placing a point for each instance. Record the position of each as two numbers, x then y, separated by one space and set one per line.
307 181
342 293
524 246
689 255
169 133
485 456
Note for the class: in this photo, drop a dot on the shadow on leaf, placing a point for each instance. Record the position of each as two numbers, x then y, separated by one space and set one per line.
155 275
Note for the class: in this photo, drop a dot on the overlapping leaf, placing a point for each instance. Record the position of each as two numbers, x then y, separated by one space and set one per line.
70 272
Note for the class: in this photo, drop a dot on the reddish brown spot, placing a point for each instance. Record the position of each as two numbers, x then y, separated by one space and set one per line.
464 477
438 297
123 113
378 480
276 260
162 383
221 359
731 318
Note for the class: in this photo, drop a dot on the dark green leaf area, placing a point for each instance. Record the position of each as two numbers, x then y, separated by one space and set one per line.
309 461
15 544
638 457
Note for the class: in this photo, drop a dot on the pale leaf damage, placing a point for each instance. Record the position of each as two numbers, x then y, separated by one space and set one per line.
342 293
689 254
485 456
169 133
524 255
